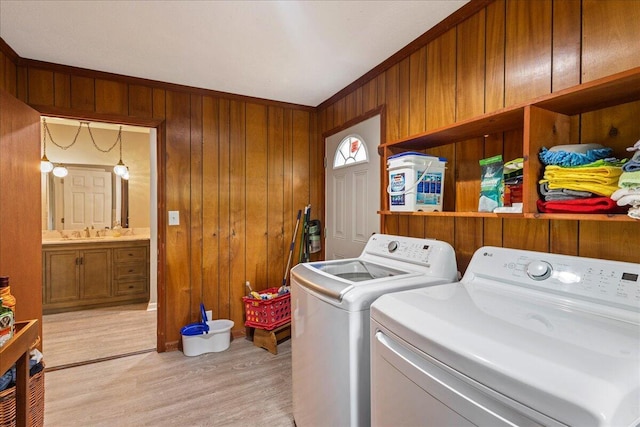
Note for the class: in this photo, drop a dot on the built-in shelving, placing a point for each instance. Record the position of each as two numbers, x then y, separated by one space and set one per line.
544 121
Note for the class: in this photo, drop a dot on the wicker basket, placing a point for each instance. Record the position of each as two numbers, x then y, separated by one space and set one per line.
35 403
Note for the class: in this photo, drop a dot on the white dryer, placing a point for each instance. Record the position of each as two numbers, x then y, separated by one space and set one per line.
330 322
525 338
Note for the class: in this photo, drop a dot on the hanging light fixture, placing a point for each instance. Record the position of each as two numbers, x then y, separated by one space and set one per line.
120 169
60 171
45 165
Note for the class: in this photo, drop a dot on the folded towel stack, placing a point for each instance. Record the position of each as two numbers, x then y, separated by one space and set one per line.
582 185
629 182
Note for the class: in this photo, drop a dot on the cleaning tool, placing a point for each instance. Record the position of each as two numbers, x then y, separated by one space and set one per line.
304 255
293 242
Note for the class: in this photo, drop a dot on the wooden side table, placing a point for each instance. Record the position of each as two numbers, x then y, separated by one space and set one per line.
16 350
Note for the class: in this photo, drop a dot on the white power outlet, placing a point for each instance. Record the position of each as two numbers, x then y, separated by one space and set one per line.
174 217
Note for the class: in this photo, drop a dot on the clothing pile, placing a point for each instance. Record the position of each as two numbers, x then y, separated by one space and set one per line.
628 193
579 178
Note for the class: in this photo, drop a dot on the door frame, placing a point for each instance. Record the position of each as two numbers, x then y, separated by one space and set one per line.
380 110
161 148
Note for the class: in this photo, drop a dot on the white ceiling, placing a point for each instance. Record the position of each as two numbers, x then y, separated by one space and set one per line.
301 52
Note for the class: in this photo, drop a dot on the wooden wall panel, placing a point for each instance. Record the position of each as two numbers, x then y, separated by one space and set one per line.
210 205
275 198
441 80
140 101
494 55
224 219
177 192
237 208
567 27
418 94
62 90
8 74
257 185
83 93
196 234
40 87
610 41
111 97
470 72
528 50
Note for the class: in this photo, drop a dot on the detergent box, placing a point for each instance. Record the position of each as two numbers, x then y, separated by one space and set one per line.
416 182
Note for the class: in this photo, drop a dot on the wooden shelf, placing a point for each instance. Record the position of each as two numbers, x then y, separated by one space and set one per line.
16 350
498 121
544 121
528 215
616 89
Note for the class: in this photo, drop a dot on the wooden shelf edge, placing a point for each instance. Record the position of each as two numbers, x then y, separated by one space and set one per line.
527 215
25 334
581 217
456 214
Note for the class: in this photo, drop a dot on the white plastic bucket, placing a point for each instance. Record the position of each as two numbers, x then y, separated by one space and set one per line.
416 182
217 339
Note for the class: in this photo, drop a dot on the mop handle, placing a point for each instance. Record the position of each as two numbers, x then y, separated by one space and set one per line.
293 242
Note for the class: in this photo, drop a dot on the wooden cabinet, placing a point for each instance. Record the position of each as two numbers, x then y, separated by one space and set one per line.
94 274
603 111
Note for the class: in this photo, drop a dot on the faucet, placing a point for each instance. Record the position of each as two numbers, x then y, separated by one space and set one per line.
86 232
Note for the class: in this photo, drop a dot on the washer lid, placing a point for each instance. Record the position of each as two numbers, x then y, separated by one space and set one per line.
356 270
335 278
576 367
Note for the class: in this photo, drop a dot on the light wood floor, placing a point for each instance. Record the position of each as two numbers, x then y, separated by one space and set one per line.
79 336
242 386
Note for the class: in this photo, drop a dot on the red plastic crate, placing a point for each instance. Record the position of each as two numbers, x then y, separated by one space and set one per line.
267 314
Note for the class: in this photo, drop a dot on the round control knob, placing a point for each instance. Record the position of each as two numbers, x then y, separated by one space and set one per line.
392 246
539 270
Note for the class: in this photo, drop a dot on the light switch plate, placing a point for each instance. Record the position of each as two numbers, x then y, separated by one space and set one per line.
174 218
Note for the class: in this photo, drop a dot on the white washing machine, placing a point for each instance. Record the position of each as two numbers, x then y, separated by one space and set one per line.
330 322
524 339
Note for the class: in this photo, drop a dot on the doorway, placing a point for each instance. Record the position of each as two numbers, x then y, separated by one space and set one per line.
70 337
352 188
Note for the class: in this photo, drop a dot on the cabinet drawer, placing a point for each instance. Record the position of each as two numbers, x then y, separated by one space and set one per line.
131 287
132 270
130 254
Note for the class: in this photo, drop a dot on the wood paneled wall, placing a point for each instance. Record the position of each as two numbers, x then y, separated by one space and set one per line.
508 52
236 168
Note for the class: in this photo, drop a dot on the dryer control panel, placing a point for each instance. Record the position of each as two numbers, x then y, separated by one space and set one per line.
609 282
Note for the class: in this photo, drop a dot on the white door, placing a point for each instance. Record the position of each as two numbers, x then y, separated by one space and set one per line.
87 199
352 188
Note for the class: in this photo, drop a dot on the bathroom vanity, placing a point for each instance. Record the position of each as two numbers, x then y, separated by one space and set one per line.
94 272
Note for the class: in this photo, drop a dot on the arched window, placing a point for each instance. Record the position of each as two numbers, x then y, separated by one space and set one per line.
350 151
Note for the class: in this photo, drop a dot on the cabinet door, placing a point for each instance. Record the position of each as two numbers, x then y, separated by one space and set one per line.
61 276
95 273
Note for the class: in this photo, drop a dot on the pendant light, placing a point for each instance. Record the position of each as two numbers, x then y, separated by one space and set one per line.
60 171
45 165
120 169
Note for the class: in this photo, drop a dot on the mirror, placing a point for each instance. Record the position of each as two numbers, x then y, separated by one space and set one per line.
92 154
90 195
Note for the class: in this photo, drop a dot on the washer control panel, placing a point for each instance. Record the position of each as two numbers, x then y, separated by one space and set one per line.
614 282
434 256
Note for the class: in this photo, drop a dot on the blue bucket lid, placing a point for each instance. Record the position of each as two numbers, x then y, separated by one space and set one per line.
194 329
414 153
